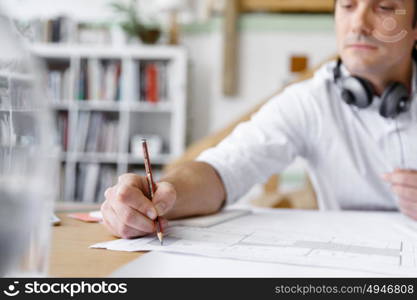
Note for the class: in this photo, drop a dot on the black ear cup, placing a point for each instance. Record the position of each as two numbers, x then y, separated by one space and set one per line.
394 100
357 91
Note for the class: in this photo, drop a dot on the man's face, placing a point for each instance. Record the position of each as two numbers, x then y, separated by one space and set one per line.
374 35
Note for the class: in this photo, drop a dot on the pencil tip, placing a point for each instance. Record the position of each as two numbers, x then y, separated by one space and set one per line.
160 237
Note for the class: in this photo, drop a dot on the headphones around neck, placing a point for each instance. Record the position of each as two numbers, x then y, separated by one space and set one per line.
359 92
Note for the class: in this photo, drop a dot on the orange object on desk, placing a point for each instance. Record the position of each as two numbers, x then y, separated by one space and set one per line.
85 217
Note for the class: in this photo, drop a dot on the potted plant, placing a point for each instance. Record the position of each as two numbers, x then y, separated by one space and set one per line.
133 26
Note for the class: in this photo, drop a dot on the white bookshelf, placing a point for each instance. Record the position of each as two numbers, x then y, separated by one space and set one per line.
166 118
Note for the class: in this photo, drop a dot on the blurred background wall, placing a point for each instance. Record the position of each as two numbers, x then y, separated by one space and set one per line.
267 42
258 49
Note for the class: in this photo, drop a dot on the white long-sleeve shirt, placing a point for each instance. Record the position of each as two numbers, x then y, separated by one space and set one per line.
347 149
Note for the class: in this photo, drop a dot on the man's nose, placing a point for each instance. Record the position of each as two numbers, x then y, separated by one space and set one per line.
361 23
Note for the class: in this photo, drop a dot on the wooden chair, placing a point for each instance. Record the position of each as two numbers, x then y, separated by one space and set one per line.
301 199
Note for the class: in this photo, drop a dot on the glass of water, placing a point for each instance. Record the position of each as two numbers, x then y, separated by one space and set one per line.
28 160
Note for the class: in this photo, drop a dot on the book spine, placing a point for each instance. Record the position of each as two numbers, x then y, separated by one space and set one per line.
65 133
56 29
152 94
118 75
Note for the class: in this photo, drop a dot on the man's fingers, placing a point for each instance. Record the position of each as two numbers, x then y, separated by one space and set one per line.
112 223
132 209
110 192
128 212
108 217
407 200
127 232
164 198
133 180
402 177
132 218
128 191
411 212
134 198
408 204
406 192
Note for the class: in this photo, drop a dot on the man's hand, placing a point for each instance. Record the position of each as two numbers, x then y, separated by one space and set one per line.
128 213
404 185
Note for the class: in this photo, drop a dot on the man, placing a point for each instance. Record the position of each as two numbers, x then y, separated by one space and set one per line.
357 158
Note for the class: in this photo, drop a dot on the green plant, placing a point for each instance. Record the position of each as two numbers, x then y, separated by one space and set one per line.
132 25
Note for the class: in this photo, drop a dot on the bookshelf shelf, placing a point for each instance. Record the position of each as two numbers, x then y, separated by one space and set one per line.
105 98
52 50
164 106
102 105
61 106
98 105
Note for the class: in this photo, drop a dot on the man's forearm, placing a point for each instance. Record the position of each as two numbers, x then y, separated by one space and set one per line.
199 190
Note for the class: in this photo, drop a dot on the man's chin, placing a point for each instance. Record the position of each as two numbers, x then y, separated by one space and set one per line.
360 65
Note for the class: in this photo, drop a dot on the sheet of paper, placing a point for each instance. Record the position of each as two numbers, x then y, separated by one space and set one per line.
368 242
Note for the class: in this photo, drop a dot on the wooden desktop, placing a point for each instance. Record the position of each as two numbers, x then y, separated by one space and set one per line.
70 253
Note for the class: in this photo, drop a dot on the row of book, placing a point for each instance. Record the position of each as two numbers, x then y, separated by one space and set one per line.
65 30
56 30
96 132
99 80
153 81
92 181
